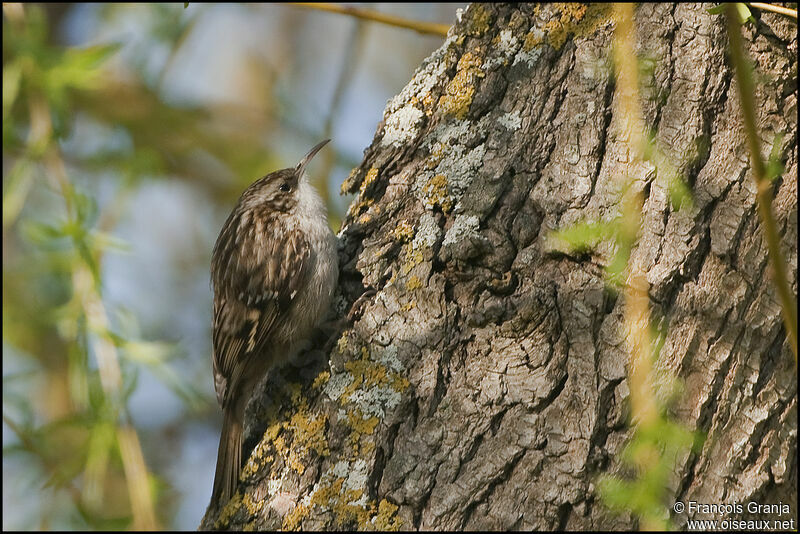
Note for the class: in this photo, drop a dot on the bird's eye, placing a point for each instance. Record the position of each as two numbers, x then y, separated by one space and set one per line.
286 187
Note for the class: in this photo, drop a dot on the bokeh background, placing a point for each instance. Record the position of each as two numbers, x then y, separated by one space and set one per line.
129 131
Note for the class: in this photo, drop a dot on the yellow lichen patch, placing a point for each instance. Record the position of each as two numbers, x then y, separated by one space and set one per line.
258 459
280 445
480 20
386 518
310 432
371 176
436 155
572 10
360 425
272 431
399 382
366 217
532 39
458 94
295 461
413 283
595 15
340 502
234 504
557 33
341 343
578 20
365 374
410 305
403 231
435 193
321 380
428 101
307 434
357 207
364 449
348 183
253 507
413 257
296 394
292 520
326 493
346 512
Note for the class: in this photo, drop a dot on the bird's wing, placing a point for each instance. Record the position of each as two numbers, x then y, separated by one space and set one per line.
252 295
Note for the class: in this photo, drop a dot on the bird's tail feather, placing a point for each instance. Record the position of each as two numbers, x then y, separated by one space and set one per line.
229 459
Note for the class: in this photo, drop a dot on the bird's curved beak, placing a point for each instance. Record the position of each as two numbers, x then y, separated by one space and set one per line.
313 152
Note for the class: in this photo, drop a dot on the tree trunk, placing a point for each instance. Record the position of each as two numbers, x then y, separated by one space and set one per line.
482 383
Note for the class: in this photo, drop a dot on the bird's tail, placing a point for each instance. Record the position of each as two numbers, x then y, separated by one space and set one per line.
229 459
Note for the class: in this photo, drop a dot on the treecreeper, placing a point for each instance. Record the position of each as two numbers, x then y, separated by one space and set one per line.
273 271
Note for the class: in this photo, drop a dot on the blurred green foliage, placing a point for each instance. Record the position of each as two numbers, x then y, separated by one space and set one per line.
650 457
78 360
742 11
641 482
658 444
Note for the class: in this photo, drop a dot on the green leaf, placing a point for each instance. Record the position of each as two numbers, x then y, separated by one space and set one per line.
679 194
80 67
18 184
77 377
774 166
105 241
88 258
41 233
615 271
99 447
12 75
86 207
744 13
149 352
741 9
584 236
130 380
76 68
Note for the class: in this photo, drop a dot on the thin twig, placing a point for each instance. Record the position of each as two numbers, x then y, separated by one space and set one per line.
644 408
432 28
763 185
775 9
637 309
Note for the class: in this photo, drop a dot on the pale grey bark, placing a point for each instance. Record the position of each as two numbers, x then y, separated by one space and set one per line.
483 384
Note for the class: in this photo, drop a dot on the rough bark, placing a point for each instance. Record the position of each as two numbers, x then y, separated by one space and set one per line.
483 383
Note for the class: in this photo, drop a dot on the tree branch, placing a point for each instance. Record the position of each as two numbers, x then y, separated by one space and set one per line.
775 9
374 16
763 185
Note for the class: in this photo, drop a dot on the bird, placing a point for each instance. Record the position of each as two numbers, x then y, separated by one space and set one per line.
274 269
